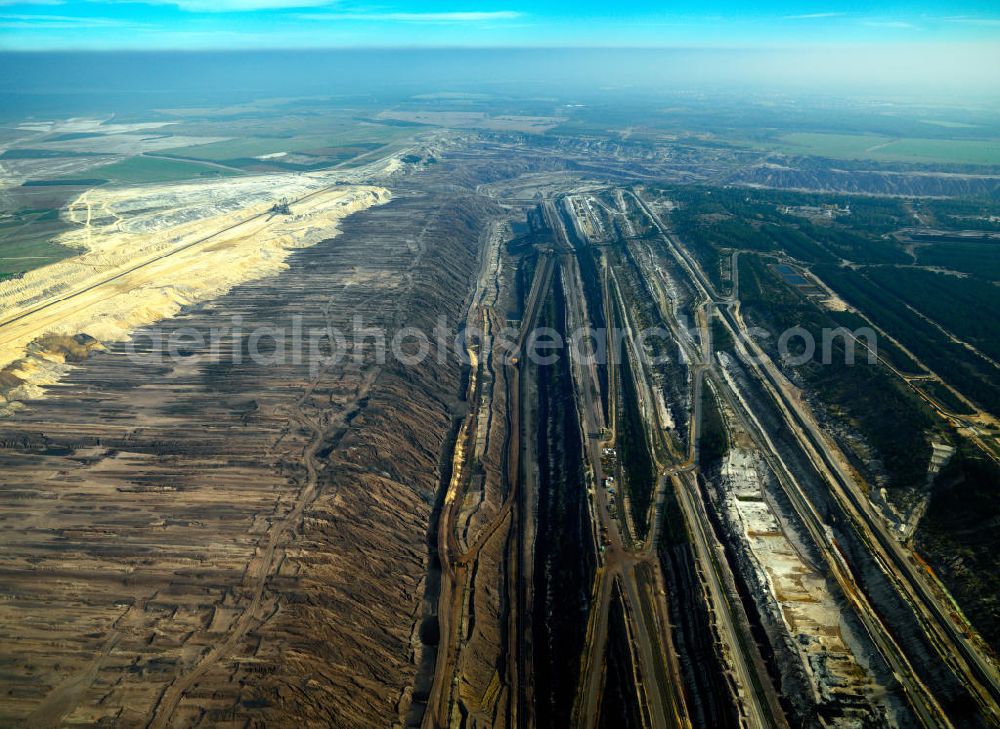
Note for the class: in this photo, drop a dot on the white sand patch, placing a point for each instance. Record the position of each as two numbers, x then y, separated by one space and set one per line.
89 126
148 251
835 303
806 606
127 144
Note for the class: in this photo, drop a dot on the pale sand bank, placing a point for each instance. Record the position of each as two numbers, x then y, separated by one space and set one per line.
147 251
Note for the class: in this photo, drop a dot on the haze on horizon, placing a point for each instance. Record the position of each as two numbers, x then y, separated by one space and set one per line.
929 49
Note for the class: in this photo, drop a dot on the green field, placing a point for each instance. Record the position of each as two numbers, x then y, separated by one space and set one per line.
949 124
19 257
26 241
888 149
236 149
156 169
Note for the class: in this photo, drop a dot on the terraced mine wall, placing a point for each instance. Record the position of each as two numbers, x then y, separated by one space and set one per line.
564 563
428 637
620 707
779 667
586 257
955 700
825 176
200 542
669 361
706 688
784 665
638 467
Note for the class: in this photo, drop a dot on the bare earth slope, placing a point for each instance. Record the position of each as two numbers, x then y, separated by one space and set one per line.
194 543
150 250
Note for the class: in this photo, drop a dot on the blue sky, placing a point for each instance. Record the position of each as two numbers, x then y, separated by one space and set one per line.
192 24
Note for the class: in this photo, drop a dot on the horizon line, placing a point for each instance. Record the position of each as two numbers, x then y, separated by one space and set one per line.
522 47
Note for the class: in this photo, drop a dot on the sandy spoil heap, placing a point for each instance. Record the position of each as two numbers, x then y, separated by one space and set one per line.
148 251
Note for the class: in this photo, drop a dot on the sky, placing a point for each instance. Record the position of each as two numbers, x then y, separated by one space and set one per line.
285 24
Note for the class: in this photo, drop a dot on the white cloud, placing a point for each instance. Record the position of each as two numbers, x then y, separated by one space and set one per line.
895 24
44 19
60 22
454 17
229 6
812 16
969 20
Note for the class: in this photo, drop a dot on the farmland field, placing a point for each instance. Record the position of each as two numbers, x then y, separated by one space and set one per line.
26 241
888 149
156 169
256 146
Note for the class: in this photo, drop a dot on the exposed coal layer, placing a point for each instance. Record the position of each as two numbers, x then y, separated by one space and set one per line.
620 708
593 295
957 703
706 689
564 566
